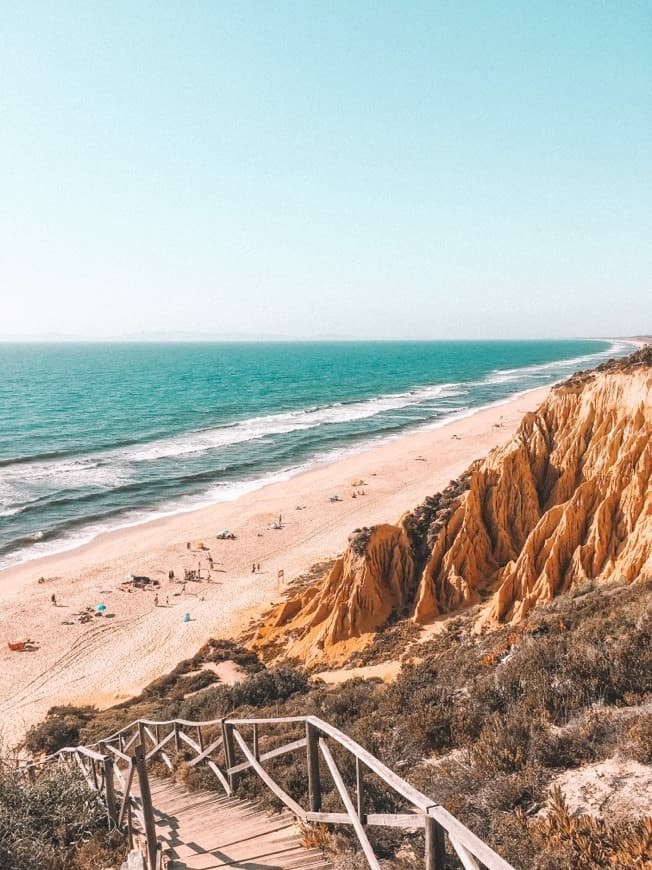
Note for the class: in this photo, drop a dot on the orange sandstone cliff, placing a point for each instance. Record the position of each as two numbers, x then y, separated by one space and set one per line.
567 499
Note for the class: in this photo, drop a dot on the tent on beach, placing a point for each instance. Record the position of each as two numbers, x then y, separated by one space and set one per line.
140 582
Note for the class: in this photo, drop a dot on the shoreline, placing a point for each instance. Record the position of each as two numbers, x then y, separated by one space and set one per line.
272 478
86 534
103 661
109 659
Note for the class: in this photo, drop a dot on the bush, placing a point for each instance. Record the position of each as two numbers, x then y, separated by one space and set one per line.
60 728
480 723
54 822
592 843
266 687
637 738
591 737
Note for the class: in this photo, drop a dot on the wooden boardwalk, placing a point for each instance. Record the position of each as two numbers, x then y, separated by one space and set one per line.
202 830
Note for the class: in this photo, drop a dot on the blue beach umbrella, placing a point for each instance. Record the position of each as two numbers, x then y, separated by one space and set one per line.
100 608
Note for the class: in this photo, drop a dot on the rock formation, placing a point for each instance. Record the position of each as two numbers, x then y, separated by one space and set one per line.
567 499
373 578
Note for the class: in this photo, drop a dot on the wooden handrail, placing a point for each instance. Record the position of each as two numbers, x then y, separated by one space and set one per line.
415 797
425 814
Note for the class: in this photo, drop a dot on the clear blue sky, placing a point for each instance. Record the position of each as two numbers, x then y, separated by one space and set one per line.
386 169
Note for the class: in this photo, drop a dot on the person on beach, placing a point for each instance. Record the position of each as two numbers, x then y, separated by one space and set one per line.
258 567
253 568
156 600
53 599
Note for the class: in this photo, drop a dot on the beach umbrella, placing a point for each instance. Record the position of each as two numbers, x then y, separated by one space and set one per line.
100 608
186 617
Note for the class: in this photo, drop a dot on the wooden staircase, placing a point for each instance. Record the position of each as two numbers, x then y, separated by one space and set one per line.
206 829
202 830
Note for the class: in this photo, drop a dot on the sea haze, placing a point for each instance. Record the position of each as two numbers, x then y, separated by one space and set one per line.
98 436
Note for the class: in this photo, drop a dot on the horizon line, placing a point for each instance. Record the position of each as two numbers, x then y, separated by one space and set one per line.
229 338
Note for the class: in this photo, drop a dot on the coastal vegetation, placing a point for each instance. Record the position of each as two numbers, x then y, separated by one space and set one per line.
509 620
51 821
485 723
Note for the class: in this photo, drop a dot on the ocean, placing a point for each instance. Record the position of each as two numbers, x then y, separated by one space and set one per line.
98 436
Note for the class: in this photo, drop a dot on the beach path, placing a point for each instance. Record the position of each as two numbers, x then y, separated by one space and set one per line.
206 830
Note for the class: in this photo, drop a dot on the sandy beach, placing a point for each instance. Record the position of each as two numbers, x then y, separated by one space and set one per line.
112 657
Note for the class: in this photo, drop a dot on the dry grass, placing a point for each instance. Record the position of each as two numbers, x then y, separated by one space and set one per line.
595 843
315 836
53 822
483 724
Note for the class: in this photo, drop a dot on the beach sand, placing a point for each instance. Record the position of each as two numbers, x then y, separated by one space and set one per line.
112 658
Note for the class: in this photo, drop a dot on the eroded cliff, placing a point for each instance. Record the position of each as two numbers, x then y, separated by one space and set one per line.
567 499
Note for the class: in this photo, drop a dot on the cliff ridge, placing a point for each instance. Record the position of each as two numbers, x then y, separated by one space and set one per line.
565 500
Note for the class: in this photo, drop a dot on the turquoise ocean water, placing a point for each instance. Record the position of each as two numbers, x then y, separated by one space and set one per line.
97 436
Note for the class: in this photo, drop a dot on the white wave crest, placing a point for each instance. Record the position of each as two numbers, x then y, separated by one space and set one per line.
284 423
564 366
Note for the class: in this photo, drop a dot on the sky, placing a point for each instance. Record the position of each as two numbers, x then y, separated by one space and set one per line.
305 169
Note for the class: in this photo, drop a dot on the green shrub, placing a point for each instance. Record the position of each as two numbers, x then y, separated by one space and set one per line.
60 728
54 822
637 738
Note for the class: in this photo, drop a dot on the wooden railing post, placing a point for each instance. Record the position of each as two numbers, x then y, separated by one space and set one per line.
130 830
359 789
177 739
312 754
148 810
109 788
141 736
229 752
254 741
435 848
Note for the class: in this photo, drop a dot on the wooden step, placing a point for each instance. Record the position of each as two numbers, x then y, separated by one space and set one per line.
206 830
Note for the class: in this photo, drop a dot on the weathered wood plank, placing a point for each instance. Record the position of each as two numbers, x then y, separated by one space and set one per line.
273 753
218 773
466 838
207 751
470 847
348 803
126 797
192 743
279 721
118 753
312 761
467 859
158 746
83 770
289 802
146 801
412 821
415 797
435 848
